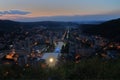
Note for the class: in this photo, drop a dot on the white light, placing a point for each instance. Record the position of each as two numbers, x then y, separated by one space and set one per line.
51 60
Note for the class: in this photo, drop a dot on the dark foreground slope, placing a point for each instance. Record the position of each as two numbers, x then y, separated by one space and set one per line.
109 29
90 69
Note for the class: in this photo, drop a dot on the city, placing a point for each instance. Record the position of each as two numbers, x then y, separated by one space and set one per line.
50 48
59 39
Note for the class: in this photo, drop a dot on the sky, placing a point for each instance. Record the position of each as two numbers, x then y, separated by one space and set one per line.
68 10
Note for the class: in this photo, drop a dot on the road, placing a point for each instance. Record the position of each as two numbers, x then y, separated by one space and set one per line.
52 58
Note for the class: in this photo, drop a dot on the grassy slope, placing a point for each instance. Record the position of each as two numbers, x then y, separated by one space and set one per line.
93 68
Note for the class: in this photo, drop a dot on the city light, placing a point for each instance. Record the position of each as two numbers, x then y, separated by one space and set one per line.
51 60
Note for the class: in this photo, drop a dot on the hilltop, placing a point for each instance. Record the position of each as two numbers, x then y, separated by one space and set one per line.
7 25
109 29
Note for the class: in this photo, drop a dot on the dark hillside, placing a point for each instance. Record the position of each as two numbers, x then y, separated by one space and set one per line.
109 29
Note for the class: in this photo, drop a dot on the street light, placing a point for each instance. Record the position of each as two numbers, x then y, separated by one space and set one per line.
51 60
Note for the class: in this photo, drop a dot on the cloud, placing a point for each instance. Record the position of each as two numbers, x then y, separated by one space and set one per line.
14 12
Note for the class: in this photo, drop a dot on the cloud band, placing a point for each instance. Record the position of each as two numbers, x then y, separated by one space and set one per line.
14 12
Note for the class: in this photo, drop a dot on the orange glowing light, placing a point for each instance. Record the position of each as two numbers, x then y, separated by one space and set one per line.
10 55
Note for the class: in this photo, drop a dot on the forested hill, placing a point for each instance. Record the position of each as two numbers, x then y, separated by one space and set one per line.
7 25
109 29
